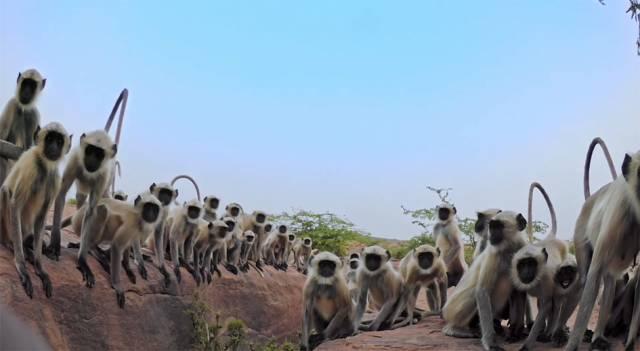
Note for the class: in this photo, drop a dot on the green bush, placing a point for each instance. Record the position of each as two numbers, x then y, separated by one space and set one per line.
400 251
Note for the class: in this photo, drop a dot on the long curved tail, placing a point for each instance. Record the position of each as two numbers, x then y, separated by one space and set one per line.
189 178
121 103
117 168
552 211
587 163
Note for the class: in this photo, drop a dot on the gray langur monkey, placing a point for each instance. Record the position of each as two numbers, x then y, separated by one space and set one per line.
210 205
233 246
328 308
248 241
256 223
25 198
481 229
606 240
420 268
89 167
487 287
182 225
159 241
379 280
620 321
547 271
351 274
121 225
20 117
210 237
301 253
219 253
120 195
275 247
291 241
449 241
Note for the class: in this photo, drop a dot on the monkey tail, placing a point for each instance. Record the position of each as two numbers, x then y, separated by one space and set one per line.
184 176
65 223
113 177
121 101
587 164
552 211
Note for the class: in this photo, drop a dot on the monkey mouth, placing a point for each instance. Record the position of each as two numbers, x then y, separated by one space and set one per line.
527 270
443 214
193 212
260 218
565 283
326 269
214 203
250 239
373 262
307 242
268 228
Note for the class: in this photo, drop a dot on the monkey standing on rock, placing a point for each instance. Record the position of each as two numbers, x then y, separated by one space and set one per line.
449 241
20 117
25 198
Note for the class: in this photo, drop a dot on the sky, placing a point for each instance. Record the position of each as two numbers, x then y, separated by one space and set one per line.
349 107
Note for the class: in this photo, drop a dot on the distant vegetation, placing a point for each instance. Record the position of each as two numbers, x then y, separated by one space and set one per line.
336 234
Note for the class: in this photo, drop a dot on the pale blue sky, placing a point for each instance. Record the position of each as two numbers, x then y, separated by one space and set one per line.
346 106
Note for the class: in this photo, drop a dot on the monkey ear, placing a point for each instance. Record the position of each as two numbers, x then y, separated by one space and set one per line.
44 82
205 199
388 254
137 200
480 215
153 186
522 223
114 150
70 139
35 134
19 76
83 136
210 225
546 255
438 251
454 210
626 166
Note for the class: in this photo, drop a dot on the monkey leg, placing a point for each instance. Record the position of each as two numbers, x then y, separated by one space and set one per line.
37 238
116 259
632 334
517 307
137 253
91 228
538 326
174 259
18 253
589 295
483 303
80 200
196 267
608 292
126 265
103 257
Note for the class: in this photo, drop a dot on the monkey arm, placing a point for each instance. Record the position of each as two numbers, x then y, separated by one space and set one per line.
6 120
485 313
137 253
362 303
385 312
306 323
158 241
454 251
337 321
69 176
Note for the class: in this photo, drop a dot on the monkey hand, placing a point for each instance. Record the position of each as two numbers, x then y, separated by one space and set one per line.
130 275
259 264
52 251
143 271
165 274
46 284
87 275
600 344
197 277
176 271
208 276
25 280
119 296
631 345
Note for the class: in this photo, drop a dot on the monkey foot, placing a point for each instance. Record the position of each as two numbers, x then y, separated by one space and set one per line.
259 264
46 284
600 344
197 277
560 338
120 298
166 276
496 348
315 340
142 270
130 275
87 275
231 268
176 271
588 336
52 252
216 270
25 280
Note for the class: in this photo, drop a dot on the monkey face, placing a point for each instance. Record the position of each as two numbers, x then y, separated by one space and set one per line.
53 145
373 262
292 238
282 229
249 237
165 196
150 212
425 260
483 219
527 269
235 211
261 218
443 213
631 173
307 242
230 225
193 212
565 276
28 91
353 264
268 227
496 232
326 268
93 157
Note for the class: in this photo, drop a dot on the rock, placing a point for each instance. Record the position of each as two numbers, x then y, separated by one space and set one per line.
154 317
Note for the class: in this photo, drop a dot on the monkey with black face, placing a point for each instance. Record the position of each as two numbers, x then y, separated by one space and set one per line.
121 224
25 198
291 240
378 278
606 240
481 228
159 241
210 237
248 241
328 308
487 288
219 253
351 274
231 257
20 117
89 167
256 223
210 205
421 268
182 226
120 195
275 247
449 241
301 253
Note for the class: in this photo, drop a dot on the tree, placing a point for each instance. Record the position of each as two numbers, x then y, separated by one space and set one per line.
634 10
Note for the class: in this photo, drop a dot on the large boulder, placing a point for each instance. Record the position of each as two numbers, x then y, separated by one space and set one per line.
155 317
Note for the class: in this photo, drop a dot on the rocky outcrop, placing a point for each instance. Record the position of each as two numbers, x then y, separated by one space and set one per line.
154 317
